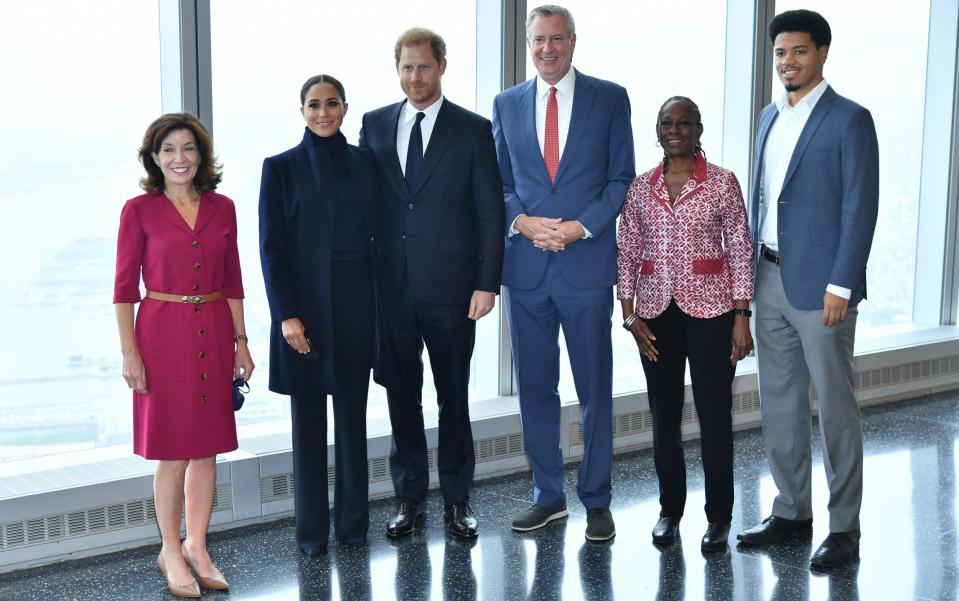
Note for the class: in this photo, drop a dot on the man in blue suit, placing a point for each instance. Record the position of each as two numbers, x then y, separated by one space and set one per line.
439 264
815 200
565 149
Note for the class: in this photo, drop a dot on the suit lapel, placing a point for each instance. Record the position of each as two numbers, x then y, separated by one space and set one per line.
583 98
440 138
758 209
816 118
394 172
527 126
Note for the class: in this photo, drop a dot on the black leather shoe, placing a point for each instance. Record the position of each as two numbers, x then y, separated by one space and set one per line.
460 519
666 530
775 529
404 519
838 549
715 537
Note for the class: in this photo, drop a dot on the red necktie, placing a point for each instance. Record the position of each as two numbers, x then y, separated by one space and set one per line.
551 143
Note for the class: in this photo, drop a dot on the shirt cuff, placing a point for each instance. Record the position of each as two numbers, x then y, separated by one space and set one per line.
586 233
512 227
846 293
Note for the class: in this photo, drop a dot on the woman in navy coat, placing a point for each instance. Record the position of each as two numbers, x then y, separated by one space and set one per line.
316 223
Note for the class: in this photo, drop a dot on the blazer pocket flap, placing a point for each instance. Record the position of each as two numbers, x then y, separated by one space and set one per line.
646 268
708 266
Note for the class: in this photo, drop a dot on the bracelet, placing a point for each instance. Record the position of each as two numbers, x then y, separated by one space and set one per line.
743 312
630 320
239 337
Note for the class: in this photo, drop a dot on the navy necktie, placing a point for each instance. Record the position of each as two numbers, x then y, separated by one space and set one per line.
414 153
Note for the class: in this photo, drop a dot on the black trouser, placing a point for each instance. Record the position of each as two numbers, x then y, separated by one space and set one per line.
707 344
353 322
448 334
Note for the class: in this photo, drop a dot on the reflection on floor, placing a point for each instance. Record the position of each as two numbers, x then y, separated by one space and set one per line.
909 543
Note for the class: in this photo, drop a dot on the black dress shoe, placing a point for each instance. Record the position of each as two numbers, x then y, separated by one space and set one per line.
775 529
715 537
838 549
460 519
666 530
404 519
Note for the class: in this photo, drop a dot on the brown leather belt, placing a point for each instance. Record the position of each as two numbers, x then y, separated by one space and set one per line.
176 298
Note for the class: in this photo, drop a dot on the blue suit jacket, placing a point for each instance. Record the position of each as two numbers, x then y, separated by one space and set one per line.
829 202
446 236
596 169
296 249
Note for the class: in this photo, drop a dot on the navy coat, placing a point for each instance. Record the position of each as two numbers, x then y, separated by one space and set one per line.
296 248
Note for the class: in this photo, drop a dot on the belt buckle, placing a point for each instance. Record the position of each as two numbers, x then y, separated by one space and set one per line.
194 300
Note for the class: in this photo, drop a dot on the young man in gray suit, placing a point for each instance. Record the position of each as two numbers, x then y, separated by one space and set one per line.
814 206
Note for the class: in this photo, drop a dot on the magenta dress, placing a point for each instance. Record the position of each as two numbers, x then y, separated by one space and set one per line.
188 350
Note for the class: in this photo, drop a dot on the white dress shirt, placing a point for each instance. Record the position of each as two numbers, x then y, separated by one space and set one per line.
405 125
565 88
780 145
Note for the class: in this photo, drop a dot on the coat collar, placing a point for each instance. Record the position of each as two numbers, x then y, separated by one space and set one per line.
163 206
440 138
660 191
583 97
816 117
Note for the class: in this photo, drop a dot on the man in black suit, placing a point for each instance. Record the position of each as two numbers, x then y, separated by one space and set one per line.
440 247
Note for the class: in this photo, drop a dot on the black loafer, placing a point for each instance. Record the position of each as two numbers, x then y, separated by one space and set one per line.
404 520
666 530
775 529
715 537
838 549
459 518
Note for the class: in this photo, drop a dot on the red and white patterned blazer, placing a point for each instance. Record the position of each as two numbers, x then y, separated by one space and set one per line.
697 251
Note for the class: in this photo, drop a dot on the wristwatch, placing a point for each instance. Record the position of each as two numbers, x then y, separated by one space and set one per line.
743 312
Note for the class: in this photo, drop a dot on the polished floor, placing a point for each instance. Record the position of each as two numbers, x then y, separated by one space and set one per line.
909 542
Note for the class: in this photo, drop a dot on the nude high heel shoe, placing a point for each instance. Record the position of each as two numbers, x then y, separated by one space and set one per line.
214 582
189 589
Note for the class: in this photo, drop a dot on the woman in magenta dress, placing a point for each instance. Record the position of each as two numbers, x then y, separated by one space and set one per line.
189 341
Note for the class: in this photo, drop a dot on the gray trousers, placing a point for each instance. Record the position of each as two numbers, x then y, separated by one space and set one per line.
792 346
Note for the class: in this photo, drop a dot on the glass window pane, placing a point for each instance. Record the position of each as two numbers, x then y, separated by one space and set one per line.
79 98
262 54
898 113
628 43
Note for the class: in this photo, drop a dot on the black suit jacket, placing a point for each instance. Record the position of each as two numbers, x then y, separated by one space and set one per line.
296 242
447 236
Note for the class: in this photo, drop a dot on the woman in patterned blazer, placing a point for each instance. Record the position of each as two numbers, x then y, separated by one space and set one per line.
685 282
